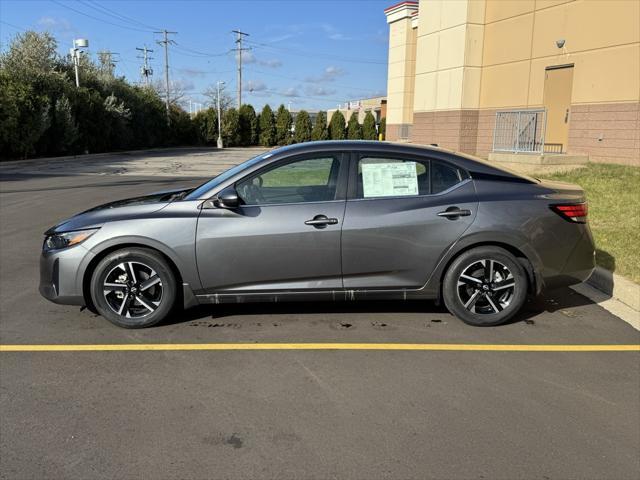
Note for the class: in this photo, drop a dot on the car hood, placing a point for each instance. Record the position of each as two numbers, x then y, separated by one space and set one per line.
136 207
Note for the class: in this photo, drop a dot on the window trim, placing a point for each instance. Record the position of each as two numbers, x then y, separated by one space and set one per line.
357 156
340 185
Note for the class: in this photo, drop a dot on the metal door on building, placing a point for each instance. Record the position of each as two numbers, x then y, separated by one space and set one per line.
557 102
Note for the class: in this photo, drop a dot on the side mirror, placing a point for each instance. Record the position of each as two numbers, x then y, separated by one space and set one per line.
228 198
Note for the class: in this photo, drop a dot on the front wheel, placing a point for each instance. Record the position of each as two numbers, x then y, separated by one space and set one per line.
133 288
485 286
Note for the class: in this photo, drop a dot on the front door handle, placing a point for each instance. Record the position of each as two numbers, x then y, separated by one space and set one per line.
454 212
321 221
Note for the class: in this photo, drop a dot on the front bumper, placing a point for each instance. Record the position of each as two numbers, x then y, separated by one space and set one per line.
61 275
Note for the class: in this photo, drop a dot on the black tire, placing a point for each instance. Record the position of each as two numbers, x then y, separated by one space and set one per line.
485 299
141 305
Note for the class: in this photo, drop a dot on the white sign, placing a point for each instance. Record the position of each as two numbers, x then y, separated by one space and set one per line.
395 179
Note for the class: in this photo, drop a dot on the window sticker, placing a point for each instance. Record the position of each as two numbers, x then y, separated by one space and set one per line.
389 179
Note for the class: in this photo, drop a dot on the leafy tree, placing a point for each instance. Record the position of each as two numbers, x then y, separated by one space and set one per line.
25 117
382 127
354 130
303 127
206 126
267 127
369 127
319 131
31 57
283 126
66 128
337 126
231 128
248 126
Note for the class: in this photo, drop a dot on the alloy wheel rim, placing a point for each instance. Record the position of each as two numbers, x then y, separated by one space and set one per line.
486 287
133 289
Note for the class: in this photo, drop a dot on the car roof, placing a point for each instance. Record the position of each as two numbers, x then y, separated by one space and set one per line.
473 164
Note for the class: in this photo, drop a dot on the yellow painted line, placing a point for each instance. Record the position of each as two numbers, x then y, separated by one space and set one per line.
319 346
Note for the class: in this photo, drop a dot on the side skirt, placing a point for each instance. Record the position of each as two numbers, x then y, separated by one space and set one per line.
315 296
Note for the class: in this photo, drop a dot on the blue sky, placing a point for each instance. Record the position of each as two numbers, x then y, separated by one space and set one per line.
312 53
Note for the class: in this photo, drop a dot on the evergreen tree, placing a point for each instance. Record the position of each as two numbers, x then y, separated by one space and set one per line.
382 128
267 127
248 125
303 127
319 131
231 128
354 130
337 126
369 127
283 126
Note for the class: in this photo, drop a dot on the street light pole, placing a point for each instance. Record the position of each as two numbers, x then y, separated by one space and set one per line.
220 145
75 56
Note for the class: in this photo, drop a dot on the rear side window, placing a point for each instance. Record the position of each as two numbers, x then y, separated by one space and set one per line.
444 176
395 177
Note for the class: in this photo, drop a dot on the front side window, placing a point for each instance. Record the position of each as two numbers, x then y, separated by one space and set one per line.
308 180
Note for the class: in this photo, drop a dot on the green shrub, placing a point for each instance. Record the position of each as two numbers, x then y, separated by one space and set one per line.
283 126
248 125
337 126
354 130
369 127
320 131
267 127
303 127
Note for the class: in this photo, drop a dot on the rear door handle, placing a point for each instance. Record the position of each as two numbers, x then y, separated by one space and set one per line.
454 212
321 221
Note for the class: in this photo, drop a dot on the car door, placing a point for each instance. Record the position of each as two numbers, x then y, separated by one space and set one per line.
285 235
402 214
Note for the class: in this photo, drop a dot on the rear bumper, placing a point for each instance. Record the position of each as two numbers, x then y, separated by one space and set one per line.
579 265
60 275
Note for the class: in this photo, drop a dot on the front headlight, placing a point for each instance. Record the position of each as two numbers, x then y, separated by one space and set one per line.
66 239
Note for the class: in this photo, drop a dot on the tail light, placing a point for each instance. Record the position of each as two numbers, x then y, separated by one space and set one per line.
576 212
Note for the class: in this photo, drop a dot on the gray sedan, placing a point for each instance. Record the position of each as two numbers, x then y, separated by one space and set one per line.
330 221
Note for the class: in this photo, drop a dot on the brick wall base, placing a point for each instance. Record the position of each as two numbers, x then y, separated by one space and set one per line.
608 133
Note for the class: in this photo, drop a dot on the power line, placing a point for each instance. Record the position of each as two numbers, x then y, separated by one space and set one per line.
107 11
239 49
97 18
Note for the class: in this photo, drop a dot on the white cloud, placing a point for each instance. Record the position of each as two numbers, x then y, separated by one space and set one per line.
53 24
329 75
318 91
333 33
254 86
291 92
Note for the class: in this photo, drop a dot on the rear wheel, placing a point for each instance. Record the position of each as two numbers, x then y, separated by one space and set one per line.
133 288
485 286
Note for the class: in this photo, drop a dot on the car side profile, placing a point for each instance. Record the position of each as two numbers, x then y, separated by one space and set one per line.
332 220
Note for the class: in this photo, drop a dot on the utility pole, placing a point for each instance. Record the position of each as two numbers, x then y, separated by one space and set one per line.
239 49
107 62
220 145
165 41
146 70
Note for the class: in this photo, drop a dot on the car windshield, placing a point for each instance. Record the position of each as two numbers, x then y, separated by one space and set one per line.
198 192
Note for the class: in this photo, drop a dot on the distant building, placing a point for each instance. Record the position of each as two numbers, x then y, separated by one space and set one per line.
478 76
375 105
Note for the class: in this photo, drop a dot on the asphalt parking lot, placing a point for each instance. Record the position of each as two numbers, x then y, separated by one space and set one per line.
287 413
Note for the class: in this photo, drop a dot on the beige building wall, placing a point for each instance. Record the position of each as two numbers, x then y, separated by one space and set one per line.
475 57
401 68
